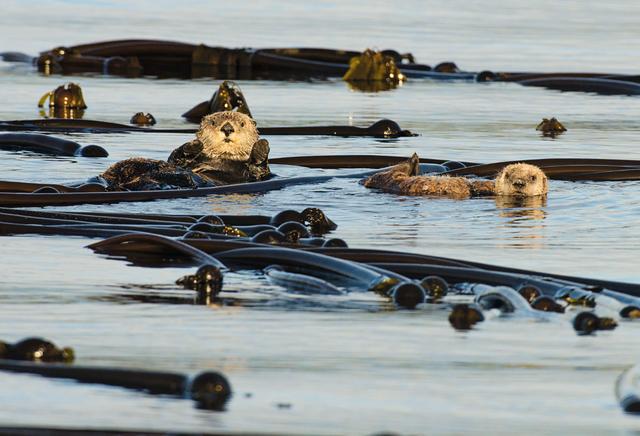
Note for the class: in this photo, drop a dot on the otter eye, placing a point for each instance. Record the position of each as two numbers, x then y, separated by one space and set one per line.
242 124
213 123
533 178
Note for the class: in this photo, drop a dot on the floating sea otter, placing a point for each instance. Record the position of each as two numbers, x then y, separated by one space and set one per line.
518 180
227 149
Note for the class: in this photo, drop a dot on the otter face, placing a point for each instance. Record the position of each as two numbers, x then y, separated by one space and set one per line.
521 180
227 136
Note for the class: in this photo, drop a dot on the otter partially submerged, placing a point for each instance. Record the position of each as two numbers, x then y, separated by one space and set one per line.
227 149
518 180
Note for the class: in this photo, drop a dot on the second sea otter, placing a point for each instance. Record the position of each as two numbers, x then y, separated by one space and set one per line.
227 149
516 180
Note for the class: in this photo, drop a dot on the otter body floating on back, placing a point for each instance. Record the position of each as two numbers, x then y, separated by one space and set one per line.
519 180
227 149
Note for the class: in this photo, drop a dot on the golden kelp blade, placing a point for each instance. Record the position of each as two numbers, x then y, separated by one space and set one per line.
373 66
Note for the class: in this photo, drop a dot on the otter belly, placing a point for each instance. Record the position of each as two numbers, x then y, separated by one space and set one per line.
227 171
139 174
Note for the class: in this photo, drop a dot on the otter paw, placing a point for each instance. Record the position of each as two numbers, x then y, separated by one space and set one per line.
259 152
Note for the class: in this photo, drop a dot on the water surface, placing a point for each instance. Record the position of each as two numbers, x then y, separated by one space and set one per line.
351 364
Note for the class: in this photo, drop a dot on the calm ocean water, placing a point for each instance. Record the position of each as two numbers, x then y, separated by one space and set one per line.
349 365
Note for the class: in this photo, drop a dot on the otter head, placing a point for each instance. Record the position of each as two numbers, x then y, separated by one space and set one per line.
227 135
521 180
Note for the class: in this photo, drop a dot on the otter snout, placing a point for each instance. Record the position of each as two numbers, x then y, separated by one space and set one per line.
227 129
519 183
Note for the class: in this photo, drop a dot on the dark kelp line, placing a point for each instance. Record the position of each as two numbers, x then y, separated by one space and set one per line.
580 84
70 430
407 265
286 228
134 58
49 145
209 390
337 161
378 256
599 83
138 57
313 217
408 285
398 288
16 194
380 129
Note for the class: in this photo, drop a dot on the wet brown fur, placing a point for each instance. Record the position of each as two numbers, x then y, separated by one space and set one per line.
138 174
227 149
405 179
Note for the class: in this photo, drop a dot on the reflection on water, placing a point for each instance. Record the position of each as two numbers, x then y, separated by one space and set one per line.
372 86
525 214
62 112
242 203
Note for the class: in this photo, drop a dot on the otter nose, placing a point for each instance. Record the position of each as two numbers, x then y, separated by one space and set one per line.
227 129
519 183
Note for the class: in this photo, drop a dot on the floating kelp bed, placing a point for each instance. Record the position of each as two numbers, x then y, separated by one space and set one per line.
17 194
141 57
222 244
209 390
428 279
134 58
233 246
49 145
380 129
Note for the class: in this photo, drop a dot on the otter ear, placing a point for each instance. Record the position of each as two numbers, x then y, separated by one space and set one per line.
254 122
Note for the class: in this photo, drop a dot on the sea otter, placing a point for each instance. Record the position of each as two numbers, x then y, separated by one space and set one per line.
227 149
518 180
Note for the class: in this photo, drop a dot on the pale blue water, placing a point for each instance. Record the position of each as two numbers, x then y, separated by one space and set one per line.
353 366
